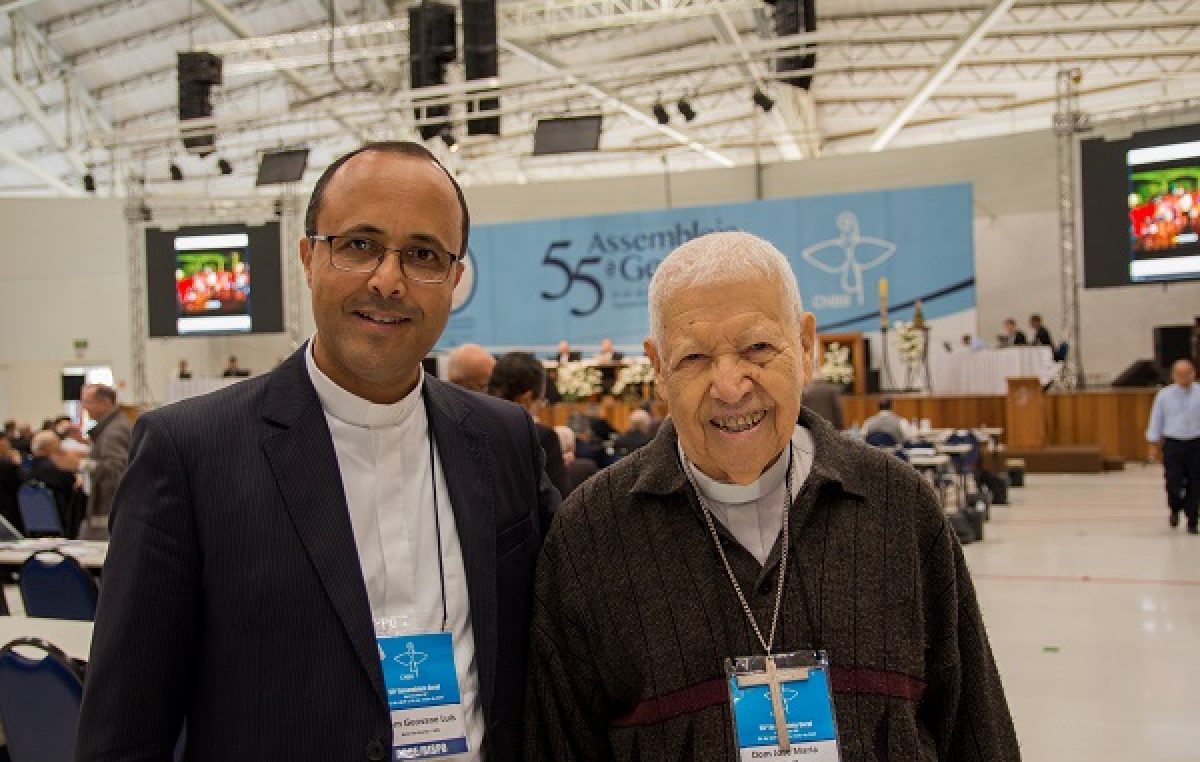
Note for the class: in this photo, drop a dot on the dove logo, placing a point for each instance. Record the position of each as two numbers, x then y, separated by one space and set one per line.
848 255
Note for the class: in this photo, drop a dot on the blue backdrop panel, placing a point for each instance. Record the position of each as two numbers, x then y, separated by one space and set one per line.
585 278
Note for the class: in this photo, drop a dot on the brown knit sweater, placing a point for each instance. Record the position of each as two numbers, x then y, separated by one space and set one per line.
634 616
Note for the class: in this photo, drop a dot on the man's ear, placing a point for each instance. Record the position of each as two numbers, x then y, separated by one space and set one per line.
306 259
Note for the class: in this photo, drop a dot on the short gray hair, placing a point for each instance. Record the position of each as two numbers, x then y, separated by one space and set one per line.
44 442
717 258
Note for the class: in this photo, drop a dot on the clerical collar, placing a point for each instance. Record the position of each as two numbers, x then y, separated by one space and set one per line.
740 494
354 410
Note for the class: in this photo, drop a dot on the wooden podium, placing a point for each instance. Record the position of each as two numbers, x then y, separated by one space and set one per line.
858 355
1025 414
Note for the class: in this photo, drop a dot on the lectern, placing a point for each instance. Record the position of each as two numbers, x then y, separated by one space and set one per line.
1025 414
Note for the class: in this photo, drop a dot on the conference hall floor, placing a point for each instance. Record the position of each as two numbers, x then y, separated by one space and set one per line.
1092 604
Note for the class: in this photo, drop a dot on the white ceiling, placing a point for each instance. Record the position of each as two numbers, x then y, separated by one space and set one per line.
89 85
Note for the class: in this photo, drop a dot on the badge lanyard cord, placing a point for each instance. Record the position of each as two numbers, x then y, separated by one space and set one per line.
437 523
769 641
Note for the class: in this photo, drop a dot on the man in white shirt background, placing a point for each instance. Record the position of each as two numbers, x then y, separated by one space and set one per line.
1174 435
288 549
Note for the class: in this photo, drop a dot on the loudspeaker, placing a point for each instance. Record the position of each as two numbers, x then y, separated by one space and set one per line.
197 74
432 43
793 17
1139 373
1171 342
481 61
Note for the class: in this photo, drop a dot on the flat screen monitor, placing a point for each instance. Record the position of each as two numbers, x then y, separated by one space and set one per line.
282 167
214 280
1141 207
566 135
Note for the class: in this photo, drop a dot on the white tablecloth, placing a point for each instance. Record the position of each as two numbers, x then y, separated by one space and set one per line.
986 371
194 387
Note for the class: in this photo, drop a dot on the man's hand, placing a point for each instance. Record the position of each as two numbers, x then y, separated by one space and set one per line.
1154 451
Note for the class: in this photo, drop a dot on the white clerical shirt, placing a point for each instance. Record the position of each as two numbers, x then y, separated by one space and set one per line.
753 513
383 452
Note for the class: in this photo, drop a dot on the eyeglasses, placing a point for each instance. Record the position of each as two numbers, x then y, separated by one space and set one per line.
363 254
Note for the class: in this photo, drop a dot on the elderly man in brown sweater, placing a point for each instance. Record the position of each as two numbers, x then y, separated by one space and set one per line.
744 587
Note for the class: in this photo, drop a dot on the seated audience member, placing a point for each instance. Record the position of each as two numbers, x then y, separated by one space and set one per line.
972 342
587 444
11 478
889 423
1012 336
824 399
22 438
519 377
579 470
184 372
640 431
233 370
470 366
1041 337
51 468
74 441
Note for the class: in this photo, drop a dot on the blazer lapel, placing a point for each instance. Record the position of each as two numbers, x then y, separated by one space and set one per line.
300 450
469 466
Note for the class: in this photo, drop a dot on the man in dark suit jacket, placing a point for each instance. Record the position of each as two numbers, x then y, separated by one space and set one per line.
1012 336
234 596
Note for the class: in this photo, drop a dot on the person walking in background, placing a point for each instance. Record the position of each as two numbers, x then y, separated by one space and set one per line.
1174 436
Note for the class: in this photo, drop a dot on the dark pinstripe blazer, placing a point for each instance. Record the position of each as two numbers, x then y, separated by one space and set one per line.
233 596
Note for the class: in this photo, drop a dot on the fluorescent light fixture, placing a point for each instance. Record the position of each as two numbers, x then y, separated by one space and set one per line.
1155 154
1164 268
214 324
203 242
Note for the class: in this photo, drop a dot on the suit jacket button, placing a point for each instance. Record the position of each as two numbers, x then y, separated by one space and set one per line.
376 751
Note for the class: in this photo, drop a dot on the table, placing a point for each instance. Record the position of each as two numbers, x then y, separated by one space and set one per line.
73 637
986 371
181 389
89 553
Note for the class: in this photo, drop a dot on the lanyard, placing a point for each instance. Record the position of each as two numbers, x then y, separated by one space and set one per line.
769 641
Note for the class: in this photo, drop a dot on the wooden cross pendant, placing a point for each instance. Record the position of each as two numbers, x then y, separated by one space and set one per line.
774 678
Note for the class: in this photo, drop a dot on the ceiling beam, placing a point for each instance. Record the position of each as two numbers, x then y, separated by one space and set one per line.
13 5
49 179
549 64
949 64
239 28
33 108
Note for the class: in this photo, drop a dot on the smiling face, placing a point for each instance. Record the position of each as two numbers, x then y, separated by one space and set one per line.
732 366
373 329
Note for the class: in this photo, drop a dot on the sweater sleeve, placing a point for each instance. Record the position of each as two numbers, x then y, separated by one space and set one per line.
963 706
565 706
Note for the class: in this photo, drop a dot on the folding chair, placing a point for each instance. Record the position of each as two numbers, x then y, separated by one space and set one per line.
39 510
55 586
39 702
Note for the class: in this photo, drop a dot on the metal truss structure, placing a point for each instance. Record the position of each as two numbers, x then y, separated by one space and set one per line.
89 85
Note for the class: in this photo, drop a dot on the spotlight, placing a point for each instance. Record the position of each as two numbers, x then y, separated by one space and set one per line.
176 172
224 167
89 183
685 109
660 113
447 136
763 101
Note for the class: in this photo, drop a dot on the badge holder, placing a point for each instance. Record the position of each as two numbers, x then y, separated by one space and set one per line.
423 694
782 707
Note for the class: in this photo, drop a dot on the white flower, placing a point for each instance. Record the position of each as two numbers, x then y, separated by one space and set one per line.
578 380
635 372
835 365
910 343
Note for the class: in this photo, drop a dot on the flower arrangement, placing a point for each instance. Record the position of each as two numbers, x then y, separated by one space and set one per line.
632 376
577 381
910 343
835 364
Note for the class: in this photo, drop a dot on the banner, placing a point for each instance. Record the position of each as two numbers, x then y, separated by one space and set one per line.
531 284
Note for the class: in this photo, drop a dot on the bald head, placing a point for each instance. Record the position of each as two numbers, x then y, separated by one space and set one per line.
470 366
1183 372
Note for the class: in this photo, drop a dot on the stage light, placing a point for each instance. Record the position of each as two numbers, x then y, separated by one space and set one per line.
176 172
763 101
224 167
685 109
447 136
89 183
660 113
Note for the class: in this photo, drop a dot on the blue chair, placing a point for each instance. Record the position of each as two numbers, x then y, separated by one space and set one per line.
1060 352
882 440
39 702
39 511
55 586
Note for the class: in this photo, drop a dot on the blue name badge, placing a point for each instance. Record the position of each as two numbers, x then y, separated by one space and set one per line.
423 695
783 707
